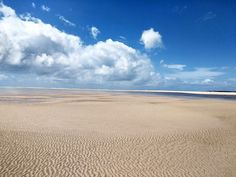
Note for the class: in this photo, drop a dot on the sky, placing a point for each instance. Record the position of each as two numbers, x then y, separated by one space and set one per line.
145 44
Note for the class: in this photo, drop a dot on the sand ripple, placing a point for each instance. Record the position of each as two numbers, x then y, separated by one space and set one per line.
116 135
42 154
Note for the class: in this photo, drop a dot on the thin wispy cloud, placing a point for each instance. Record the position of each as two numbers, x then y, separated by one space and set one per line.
3 77
172 66
196 77
178 74
232 79
208 16
33 5
179 9
66 21
207 81
122 37
45 8
196 74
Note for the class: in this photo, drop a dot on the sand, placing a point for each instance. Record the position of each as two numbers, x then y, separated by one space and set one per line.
72 133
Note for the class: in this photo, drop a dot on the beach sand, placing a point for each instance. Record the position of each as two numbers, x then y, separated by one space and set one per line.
75 133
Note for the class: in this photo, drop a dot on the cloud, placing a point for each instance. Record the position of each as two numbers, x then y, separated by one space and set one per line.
3 77
208 16
6 11
28 17
122 37
194 79
207 81
45 8
172 66
232 79
29 46
151 39
33 5
94 31
179 9
197 74
63 19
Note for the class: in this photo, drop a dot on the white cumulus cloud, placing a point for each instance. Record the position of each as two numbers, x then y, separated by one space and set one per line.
151 39
6 11
94 31
28 45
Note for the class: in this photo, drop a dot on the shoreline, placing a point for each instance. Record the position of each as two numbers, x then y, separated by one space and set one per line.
14 91
231 93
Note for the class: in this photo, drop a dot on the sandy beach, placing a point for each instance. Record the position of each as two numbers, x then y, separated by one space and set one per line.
89 133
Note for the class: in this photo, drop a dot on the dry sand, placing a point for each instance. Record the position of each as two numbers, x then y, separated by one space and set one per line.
69 133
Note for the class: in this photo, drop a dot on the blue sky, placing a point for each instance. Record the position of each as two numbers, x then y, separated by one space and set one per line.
182 45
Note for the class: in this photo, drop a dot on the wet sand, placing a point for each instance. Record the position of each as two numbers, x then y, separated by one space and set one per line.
72 133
